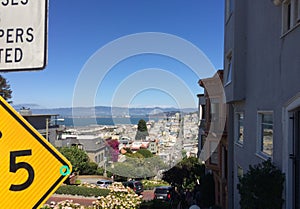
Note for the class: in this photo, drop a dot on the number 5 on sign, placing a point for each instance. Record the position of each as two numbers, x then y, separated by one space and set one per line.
14 167
30 167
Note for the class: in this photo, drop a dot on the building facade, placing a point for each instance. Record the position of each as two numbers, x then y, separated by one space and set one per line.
94 146
213 134
261 82
46 124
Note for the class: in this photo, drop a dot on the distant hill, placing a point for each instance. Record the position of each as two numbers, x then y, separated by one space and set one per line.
102 111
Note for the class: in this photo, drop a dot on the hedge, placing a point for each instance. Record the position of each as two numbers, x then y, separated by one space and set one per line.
82 191
151 184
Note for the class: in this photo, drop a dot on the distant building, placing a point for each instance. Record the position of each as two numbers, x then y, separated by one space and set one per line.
165 157
93 145
136 145
153 146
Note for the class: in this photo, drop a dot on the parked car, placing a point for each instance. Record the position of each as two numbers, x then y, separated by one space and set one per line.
163 193
136 186
104 183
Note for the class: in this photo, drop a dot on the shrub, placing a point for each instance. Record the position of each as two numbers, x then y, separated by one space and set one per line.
90 169
215 207
117 197
207 190
145 153
261 187
155 204
151 184
63 205
82 190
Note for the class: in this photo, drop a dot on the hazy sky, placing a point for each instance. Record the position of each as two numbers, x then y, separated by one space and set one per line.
79 31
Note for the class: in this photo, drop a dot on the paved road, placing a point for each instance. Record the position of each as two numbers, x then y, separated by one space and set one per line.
148 195
90 179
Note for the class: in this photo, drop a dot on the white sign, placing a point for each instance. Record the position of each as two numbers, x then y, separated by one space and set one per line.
23 34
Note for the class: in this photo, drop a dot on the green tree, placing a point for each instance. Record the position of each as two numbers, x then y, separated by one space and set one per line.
123 169
91 168
190 170
134 155
261 187
187 174
5 90
138 165
146 153
142 131
79 160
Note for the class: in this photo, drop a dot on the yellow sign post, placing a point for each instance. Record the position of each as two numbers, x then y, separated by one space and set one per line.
31 169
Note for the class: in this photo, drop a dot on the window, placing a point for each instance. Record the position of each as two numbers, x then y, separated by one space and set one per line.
214 114
287 12
229 8
101 157
203 140
297 6
239 127
224 162
214 154
290 14
265 133
229 69
240 171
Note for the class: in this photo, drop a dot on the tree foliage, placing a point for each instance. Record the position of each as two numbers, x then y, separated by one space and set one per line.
5 90
142 126
137 166
134 155
142 130
261 187
191 171
145 153
79 160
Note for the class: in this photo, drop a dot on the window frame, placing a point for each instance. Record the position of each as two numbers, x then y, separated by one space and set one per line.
239 171
237 126
290 15
260 137
214 151
297 9
214 114
229 68
229 9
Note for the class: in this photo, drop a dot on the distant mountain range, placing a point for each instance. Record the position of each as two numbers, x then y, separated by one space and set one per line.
103 111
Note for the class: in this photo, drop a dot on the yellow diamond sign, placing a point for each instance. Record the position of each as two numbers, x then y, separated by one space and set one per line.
31 169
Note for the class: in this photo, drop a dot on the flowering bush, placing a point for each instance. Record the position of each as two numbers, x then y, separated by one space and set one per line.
67 204
114 148
151 184
118 198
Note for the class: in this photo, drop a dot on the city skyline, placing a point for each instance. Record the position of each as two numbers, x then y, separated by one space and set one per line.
77 32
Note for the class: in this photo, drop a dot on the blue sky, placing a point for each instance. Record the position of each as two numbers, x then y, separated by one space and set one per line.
79 29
